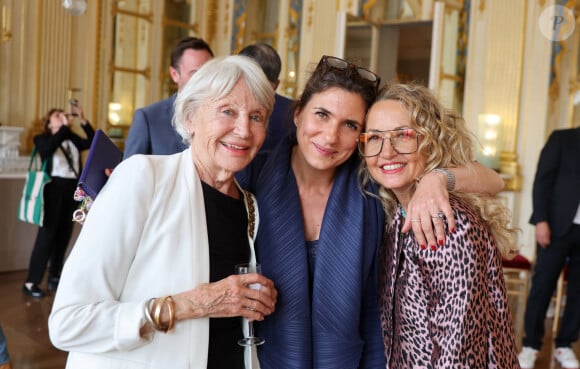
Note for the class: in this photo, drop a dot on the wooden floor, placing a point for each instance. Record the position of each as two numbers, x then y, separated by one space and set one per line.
24 320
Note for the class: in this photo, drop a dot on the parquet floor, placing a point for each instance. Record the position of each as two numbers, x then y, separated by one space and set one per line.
24 320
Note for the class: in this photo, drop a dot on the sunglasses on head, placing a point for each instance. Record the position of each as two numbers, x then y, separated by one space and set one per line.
343 65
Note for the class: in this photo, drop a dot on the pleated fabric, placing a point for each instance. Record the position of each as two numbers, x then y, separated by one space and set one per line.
339 327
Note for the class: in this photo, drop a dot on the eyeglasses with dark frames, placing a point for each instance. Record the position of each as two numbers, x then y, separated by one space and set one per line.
343 65
403 141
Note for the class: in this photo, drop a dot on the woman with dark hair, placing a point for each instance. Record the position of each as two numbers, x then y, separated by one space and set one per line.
61 147
319 235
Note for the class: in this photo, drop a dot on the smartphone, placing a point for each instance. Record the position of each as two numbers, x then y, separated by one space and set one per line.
73 102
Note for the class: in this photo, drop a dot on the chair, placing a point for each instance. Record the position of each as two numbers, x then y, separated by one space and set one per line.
559 297
517 273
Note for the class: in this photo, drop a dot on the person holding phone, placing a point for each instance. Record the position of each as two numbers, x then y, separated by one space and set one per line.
61 147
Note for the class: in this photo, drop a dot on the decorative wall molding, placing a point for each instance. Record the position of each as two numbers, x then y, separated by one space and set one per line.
212 20
54 62
6 24
503 83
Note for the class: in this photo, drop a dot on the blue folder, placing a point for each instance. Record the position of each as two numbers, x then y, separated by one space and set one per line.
103 154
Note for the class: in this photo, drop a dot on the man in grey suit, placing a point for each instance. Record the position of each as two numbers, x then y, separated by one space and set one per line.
152 131
556 215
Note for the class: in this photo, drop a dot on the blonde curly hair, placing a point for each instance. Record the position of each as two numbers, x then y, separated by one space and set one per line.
445 143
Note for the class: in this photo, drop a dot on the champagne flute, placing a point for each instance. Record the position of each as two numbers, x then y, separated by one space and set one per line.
251 340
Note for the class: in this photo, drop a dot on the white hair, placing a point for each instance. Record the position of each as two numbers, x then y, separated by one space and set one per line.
213 81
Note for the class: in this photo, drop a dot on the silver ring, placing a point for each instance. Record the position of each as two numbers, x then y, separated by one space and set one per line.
439 215
415 220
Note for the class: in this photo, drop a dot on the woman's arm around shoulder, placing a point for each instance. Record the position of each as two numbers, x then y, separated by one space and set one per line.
431 199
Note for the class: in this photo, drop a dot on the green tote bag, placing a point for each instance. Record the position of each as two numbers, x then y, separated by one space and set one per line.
31 207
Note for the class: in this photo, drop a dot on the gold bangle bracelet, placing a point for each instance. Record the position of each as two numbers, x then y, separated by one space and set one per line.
157 314
171 307
156 306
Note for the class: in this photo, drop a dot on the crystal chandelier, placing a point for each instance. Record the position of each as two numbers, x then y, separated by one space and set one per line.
75 7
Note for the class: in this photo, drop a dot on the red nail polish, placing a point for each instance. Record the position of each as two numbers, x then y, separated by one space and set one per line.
440 242
452 230
433 247
423 247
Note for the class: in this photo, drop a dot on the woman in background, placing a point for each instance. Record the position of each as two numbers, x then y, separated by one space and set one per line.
446 308
61 147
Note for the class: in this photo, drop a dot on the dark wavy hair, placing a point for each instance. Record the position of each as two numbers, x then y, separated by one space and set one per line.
324 77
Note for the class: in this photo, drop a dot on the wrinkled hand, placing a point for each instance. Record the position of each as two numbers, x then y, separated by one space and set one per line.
543 234
430 199
229 297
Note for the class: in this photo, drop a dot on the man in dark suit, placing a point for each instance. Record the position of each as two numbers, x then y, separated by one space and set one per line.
281 119
152 131
556 215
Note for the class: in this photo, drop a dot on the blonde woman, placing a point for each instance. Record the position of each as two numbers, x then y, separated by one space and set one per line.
446 308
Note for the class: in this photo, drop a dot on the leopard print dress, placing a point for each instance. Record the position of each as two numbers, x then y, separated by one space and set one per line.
446 308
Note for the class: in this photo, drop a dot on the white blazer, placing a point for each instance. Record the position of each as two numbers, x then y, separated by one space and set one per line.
145 236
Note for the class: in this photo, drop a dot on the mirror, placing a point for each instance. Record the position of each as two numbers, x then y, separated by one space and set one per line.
291 55
259 21
358 43
177 24
131 61
405 51
136 50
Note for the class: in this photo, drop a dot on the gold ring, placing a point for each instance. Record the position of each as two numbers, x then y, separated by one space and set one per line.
415 220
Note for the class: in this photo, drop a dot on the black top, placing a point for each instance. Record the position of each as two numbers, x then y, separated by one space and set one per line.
312 250
227 228
47 144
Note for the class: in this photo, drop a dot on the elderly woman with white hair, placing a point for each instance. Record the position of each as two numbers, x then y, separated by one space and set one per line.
150 282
